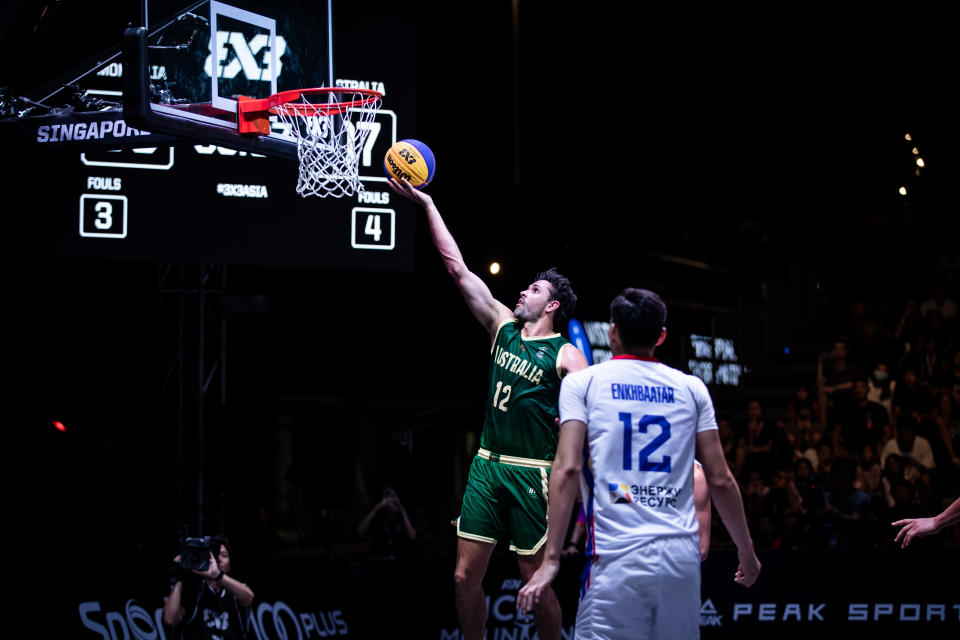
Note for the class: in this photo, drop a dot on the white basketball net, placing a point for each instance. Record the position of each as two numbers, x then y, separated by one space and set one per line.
329 146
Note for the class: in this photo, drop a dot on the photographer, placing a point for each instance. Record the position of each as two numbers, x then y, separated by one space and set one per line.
205 603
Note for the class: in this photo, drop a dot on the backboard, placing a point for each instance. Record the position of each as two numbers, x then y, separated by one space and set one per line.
185 67
194 189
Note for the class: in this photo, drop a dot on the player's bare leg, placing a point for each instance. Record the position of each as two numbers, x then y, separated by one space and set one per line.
547 613
473 557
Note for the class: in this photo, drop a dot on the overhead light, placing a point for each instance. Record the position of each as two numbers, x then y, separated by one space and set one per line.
920 162
494 268
903 191
907 137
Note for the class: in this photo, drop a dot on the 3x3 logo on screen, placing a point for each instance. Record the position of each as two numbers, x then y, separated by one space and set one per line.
249 55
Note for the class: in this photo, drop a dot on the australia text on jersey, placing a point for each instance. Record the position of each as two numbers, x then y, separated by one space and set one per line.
517 365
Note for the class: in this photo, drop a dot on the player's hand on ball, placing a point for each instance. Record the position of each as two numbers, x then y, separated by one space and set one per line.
405 189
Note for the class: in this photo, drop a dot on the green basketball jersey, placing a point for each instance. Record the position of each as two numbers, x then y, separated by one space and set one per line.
524 390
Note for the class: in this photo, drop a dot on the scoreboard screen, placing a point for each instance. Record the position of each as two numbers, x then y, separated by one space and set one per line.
187 201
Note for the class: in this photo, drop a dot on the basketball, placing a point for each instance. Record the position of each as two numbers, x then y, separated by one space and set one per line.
410 159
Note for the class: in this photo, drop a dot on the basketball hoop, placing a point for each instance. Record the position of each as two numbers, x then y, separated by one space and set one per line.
330 126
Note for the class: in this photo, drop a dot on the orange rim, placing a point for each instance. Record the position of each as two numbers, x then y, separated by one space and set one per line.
283 102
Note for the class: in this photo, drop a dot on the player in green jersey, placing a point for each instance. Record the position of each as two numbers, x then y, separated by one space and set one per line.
506 494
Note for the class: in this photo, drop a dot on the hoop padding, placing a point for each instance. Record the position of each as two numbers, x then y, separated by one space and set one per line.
330 126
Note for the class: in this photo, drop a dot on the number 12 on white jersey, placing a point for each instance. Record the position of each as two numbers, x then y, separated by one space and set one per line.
643 426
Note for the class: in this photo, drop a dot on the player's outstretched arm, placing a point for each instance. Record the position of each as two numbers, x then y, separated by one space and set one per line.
484 307
920 527
564 480
726 497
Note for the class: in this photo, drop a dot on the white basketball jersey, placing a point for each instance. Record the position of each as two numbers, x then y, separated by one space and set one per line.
642 419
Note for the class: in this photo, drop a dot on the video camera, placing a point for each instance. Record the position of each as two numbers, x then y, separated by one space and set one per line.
195 553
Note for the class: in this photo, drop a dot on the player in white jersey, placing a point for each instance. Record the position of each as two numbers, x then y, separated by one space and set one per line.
630 428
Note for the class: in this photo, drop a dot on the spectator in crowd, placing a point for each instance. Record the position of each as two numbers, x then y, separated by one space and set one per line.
795 518
926 360
825 451
947 395
768 534
938 301
390 536
943 442
777 501
934 326
764 441
915 400
834 378
804 436
947 390
388 527
907 444
907 331
868 471
806 491
734 446
753 496
859 420
917 460
870 346
802 400
847 510
881 386
903 502
912 398
807 484
858 314
891 475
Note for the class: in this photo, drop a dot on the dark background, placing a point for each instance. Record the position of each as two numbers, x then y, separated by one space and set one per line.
745 165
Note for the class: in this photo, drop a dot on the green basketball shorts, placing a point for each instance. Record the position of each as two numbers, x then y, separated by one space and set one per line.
506 495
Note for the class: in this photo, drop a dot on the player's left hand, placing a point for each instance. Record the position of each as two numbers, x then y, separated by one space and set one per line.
529 596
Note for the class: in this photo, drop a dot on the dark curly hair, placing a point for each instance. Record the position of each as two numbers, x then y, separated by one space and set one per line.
562 292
